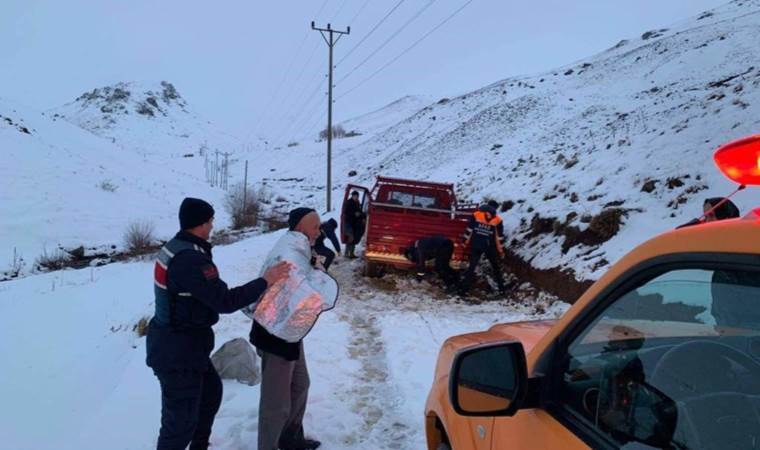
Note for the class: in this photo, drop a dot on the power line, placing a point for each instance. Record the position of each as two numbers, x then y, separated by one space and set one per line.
301 118
289 126
287 71
390 38
408 49
377 25
340 9
353 19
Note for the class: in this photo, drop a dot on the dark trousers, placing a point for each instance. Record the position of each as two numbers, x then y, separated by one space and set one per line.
327 253
284 392
189 402
493 257
443 264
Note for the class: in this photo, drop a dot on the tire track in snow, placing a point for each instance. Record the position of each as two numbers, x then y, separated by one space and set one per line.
373 397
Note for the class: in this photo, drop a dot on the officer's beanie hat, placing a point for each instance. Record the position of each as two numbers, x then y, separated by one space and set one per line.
194 212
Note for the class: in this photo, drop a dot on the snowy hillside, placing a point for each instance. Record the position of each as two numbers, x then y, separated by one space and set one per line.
387 116
147 118
69 187
631 130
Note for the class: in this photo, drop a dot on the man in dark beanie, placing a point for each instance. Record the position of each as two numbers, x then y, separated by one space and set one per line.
280 323
189 298
327 231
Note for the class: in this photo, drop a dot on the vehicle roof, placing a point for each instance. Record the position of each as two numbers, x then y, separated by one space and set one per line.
414 183
726 236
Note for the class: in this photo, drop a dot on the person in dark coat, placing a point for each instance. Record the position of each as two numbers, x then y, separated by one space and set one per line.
485 234
438 248
353 222
715 208
190 295
284 374
327 231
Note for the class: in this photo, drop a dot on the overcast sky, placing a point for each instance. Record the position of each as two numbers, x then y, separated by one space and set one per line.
250 66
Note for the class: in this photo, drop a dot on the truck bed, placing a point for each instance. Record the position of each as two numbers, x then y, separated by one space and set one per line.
392 228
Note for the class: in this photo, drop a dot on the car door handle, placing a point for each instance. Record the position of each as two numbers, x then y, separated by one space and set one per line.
481 431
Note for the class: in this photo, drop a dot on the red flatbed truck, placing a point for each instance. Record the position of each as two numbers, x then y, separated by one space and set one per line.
399 211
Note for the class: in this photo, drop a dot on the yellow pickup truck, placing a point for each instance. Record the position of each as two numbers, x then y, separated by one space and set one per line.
663 351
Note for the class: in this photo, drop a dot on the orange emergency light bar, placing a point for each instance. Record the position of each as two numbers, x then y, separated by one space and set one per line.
740 160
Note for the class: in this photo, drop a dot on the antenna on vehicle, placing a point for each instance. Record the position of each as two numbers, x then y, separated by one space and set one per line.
739 161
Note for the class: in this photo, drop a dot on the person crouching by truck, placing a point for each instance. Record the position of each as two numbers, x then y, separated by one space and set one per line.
438 248
485 234
353 221
327 231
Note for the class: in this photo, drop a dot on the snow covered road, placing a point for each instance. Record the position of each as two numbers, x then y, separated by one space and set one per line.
74 373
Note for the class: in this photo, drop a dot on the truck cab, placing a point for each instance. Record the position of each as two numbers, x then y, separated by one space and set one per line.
400 211
663 351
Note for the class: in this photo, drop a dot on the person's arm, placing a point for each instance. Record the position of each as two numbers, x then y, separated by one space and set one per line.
420 261
468 231
193 273
333 238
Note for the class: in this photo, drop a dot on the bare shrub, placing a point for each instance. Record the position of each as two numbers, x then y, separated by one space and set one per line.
264 195
338 132
107 186
139 236
17 264
293 144
276 222
55 260
242 205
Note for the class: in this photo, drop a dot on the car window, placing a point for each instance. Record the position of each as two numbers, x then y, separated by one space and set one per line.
400 198
424 201
674 363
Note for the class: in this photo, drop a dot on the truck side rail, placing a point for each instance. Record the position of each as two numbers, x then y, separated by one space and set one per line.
453 212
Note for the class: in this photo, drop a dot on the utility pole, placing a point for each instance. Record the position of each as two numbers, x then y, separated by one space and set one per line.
330 44
245 188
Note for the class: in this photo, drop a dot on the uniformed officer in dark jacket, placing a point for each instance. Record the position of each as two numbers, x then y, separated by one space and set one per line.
438 248
485 233
327 231
189 298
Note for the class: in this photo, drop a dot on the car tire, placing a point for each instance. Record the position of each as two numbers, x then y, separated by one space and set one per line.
443 446
372 269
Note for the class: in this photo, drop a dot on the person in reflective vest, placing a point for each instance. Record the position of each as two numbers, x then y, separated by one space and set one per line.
189 296
485 234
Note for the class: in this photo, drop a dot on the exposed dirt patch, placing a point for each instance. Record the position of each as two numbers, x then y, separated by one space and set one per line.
558 282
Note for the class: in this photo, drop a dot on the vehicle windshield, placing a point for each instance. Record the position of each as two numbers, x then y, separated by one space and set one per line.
408 199
661 363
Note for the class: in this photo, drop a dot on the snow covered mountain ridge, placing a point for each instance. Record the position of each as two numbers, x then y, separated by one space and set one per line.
147 117
625 135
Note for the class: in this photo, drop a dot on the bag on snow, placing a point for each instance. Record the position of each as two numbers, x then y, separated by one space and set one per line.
236 360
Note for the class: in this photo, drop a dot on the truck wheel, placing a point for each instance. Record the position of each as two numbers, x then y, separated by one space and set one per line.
443 446
372 269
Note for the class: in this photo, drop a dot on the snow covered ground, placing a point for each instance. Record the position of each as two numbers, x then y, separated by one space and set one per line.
633 128
74 375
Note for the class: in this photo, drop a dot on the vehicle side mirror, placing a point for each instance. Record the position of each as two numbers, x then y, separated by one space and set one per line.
489 380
